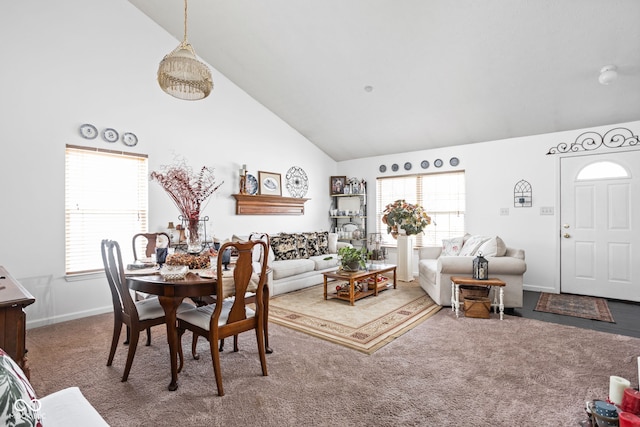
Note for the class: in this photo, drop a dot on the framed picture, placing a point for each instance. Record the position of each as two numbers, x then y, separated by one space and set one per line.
337 184
269 183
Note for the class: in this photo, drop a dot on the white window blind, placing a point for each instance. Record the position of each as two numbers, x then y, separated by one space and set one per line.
442 195
106 197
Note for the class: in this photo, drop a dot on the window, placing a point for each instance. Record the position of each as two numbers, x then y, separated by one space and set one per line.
441 194
602 170
106 197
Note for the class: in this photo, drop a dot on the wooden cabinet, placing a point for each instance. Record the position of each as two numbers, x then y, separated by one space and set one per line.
13 299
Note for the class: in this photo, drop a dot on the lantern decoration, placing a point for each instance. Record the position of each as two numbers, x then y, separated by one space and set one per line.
480 267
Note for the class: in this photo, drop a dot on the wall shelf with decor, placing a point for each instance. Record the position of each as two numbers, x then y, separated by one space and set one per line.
247 204
348 216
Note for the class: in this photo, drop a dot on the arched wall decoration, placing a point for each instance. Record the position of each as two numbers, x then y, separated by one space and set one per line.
522 194
590 141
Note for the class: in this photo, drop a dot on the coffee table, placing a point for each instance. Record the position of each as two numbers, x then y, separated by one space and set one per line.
373 271
456 281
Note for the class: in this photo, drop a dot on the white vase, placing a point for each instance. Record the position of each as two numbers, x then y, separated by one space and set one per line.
405 258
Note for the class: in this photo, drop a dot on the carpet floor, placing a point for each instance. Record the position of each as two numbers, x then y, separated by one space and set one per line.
367 326
443 372
582 306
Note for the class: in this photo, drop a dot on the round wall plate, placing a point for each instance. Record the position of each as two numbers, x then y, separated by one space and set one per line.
424 164
454 161
88 131
394 167
129 139
297 181
407 166
438 163
382 168
110 135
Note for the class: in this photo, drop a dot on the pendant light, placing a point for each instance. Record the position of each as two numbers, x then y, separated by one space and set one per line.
181 74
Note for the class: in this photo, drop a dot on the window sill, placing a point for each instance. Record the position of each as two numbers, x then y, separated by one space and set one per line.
78 277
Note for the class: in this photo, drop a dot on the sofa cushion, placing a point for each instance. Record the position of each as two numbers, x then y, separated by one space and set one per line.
451 247
322 262
323 242
15 386
282 269
472 244
284 247
493 247
312 244
301 243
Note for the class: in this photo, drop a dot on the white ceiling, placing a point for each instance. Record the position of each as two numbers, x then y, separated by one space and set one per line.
443 72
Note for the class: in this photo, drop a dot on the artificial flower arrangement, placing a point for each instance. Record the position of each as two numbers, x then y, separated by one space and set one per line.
401 215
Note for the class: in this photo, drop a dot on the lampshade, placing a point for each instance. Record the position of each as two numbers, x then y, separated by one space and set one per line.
608 74
181 75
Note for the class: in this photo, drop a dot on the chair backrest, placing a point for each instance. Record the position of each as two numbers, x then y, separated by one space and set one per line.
258 252
244 279
150 248
120 295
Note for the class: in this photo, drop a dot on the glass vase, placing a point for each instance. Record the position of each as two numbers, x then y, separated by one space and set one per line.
193 234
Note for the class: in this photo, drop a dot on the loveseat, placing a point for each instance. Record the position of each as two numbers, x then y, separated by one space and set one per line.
297 260
437 264
64 408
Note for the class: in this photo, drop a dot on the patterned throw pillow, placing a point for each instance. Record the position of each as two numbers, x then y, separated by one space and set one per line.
14 387
452 247
312 244
472 244
284 247
323 242
301 243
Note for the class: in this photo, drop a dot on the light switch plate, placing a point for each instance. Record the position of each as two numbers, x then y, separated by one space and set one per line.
546 210
504 211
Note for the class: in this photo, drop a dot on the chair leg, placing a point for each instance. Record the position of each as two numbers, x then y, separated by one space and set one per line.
180 353
135 335
194 343
265 322
222 344
261 347
235 343
148 337
117 329
127 340
215 357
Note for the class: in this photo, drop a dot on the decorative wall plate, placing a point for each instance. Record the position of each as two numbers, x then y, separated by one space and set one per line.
424 164
382 168
129 139
88 131
394 167
438 163
110 135
407 166
297 181
454 161
252 184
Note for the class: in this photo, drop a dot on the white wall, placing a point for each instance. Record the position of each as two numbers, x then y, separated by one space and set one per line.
491 171
95 61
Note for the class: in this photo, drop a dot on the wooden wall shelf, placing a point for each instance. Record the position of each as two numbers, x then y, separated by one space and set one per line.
268 205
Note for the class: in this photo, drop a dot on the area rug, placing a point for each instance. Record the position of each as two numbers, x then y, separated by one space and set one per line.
575 305
370 324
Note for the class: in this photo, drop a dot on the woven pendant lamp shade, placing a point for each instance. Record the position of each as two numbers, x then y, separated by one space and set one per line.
181 75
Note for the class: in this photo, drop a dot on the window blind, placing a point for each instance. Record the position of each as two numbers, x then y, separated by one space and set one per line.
106 197
442 195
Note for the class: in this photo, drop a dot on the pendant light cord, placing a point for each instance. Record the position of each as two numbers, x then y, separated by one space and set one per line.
185 22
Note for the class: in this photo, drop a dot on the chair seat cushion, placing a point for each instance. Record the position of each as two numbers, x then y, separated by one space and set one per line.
201 316
151 308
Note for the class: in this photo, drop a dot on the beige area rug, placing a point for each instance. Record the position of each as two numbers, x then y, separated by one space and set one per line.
367 326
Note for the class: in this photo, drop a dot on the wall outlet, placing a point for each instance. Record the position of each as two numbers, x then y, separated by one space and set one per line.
504 211
546 210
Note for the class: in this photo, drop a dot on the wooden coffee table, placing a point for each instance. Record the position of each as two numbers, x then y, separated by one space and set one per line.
456 281
374 271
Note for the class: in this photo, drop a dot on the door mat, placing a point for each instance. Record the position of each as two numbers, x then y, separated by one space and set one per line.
582 306
367 326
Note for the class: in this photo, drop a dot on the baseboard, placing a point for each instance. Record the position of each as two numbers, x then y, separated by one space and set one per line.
63 318
531 288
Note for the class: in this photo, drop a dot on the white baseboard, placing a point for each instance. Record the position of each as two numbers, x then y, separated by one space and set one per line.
549 290
35 323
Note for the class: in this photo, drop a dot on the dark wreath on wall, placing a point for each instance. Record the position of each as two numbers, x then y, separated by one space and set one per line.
590 141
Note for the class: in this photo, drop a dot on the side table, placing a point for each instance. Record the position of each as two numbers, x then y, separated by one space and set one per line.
456 281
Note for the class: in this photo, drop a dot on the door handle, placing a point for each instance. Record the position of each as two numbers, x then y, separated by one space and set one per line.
566 235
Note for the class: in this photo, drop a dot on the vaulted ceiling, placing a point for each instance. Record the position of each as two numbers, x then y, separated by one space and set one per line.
362 78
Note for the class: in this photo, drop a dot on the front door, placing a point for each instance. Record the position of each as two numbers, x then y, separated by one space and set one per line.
600 225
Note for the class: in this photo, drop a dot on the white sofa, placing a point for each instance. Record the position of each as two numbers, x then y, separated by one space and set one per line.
435 268
298 265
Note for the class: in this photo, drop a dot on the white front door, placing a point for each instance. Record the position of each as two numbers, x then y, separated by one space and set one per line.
600 225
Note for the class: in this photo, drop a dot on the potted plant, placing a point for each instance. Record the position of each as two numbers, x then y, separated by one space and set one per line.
353 259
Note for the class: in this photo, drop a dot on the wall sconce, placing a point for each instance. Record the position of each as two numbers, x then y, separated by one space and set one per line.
608 74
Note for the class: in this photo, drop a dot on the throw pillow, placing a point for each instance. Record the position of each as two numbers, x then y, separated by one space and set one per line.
301 243
333 243
312 244
452 247
472 244
495 246
284 247
323 242
14 386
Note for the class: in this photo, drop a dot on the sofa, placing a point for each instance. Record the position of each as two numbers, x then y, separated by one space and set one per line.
297 260
436 265
21 406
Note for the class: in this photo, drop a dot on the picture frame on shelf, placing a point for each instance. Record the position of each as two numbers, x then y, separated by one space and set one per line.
337 185
269 183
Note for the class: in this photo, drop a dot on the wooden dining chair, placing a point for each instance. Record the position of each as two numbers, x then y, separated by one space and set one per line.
147 241
136 315
231 316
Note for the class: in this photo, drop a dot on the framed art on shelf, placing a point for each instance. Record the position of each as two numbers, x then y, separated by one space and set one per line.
337 184
269 183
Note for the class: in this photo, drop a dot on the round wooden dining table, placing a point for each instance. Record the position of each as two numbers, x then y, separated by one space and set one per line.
170 294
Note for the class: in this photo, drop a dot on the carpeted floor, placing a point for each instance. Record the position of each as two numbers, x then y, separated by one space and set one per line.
443 372
367 326
575 305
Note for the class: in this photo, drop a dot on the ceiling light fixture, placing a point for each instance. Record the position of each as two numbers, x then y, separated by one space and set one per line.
608 74
181 74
